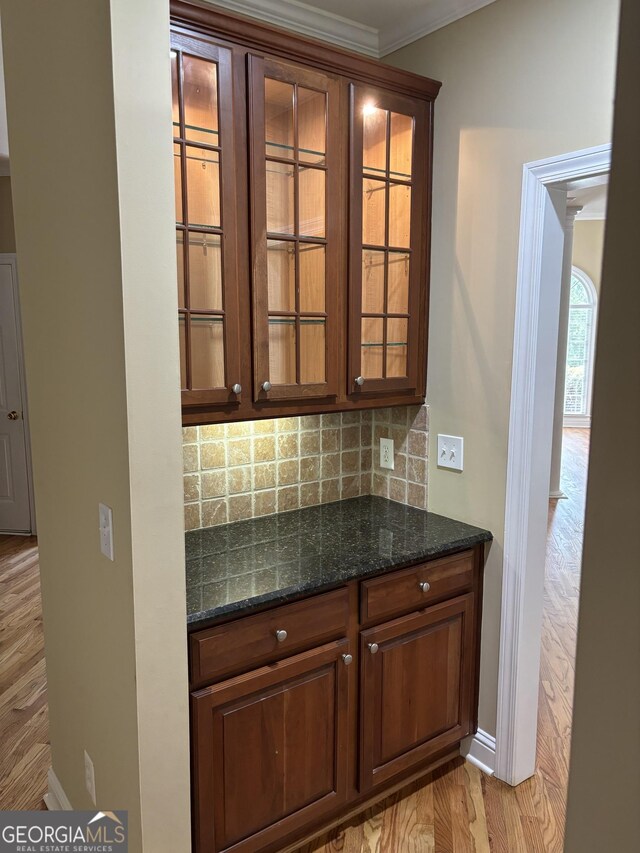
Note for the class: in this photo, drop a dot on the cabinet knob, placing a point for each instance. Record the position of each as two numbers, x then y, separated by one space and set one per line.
373 648
425 586
13 416
237 388
266 386
281 635
359 380
347 659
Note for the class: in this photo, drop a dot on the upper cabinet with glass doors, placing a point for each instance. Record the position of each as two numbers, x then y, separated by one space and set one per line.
303 206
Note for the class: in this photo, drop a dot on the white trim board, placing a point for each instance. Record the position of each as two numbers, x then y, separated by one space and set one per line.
480 750
55 799
317 23
529 456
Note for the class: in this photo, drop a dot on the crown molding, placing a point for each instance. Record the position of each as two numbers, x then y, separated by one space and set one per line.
309 21
431 17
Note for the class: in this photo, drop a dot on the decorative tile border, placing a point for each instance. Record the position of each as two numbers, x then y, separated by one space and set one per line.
244 470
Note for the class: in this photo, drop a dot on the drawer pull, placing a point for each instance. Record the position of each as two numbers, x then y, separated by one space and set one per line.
281 635
347 659
425 586
373 648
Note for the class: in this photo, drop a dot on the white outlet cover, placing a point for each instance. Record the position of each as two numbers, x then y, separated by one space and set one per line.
451 452
89 776
386 453
105 516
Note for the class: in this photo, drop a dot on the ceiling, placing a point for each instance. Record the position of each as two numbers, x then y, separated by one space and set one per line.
374 27
592 195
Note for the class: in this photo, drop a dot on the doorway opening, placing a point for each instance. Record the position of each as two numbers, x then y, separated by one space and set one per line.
538 398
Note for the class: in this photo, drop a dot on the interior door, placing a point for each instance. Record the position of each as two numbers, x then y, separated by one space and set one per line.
389 241
15 512
416 688
271 750
296 213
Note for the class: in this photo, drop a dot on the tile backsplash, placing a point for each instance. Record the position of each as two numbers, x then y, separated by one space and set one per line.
244 470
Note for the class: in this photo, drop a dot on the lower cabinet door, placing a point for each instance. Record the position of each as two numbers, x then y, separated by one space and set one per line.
416 688
270 750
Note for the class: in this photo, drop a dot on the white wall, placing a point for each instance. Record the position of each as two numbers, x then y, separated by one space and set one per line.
512 93
88 95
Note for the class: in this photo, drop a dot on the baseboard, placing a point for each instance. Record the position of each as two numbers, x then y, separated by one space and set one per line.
480 750
55 799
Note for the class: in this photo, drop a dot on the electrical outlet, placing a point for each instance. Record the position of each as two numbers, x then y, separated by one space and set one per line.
89 777
106 530
450 452
386 453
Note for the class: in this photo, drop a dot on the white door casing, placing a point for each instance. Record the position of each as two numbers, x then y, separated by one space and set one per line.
15 492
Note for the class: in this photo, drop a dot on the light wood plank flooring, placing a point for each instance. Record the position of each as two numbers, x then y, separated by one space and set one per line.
457 808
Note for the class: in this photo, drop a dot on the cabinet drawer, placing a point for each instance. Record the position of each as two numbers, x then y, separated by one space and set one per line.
416 587
267 637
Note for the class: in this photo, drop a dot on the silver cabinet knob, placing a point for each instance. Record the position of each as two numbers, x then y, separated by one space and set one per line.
347 659
13 416
266 386
237 388
359 380
425 586
281 635
373 648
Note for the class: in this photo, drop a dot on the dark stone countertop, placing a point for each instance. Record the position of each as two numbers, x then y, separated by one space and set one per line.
240 567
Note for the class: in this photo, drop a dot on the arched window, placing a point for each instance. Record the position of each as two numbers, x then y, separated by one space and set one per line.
580 346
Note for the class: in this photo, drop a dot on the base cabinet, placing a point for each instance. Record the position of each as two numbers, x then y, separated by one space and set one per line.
294 743
271 751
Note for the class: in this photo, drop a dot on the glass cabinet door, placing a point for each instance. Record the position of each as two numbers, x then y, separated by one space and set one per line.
296 222
389 241
203 148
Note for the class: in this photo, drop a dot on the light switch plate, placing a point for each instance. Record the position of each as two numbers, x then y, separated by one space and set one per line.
451 452
386 453
106 530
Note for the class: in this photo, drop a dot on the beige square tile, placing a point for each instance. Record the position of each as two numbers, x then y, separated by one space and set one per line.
189 458
264 427
365 483
400 465
330 466
287 445
239 450
288 498
310 422
350 437
366 435
380 431
240 507
398 489
239 479
417 496
380 485
309 442
264 449
399 416
419 417
192 517
366 460
399 436
264 476
191 487
366 416
211 432
417 470
309 494
264 503
350 487
288 472
330 440
212 454
350 462
350 418
189 435
214 512
238 430
330 491
214 483
417 443
382 416
331 421
309 468
287 424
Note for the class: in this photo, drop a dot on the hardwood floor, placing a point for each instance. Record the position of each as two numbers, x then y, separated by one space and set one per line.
455 810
